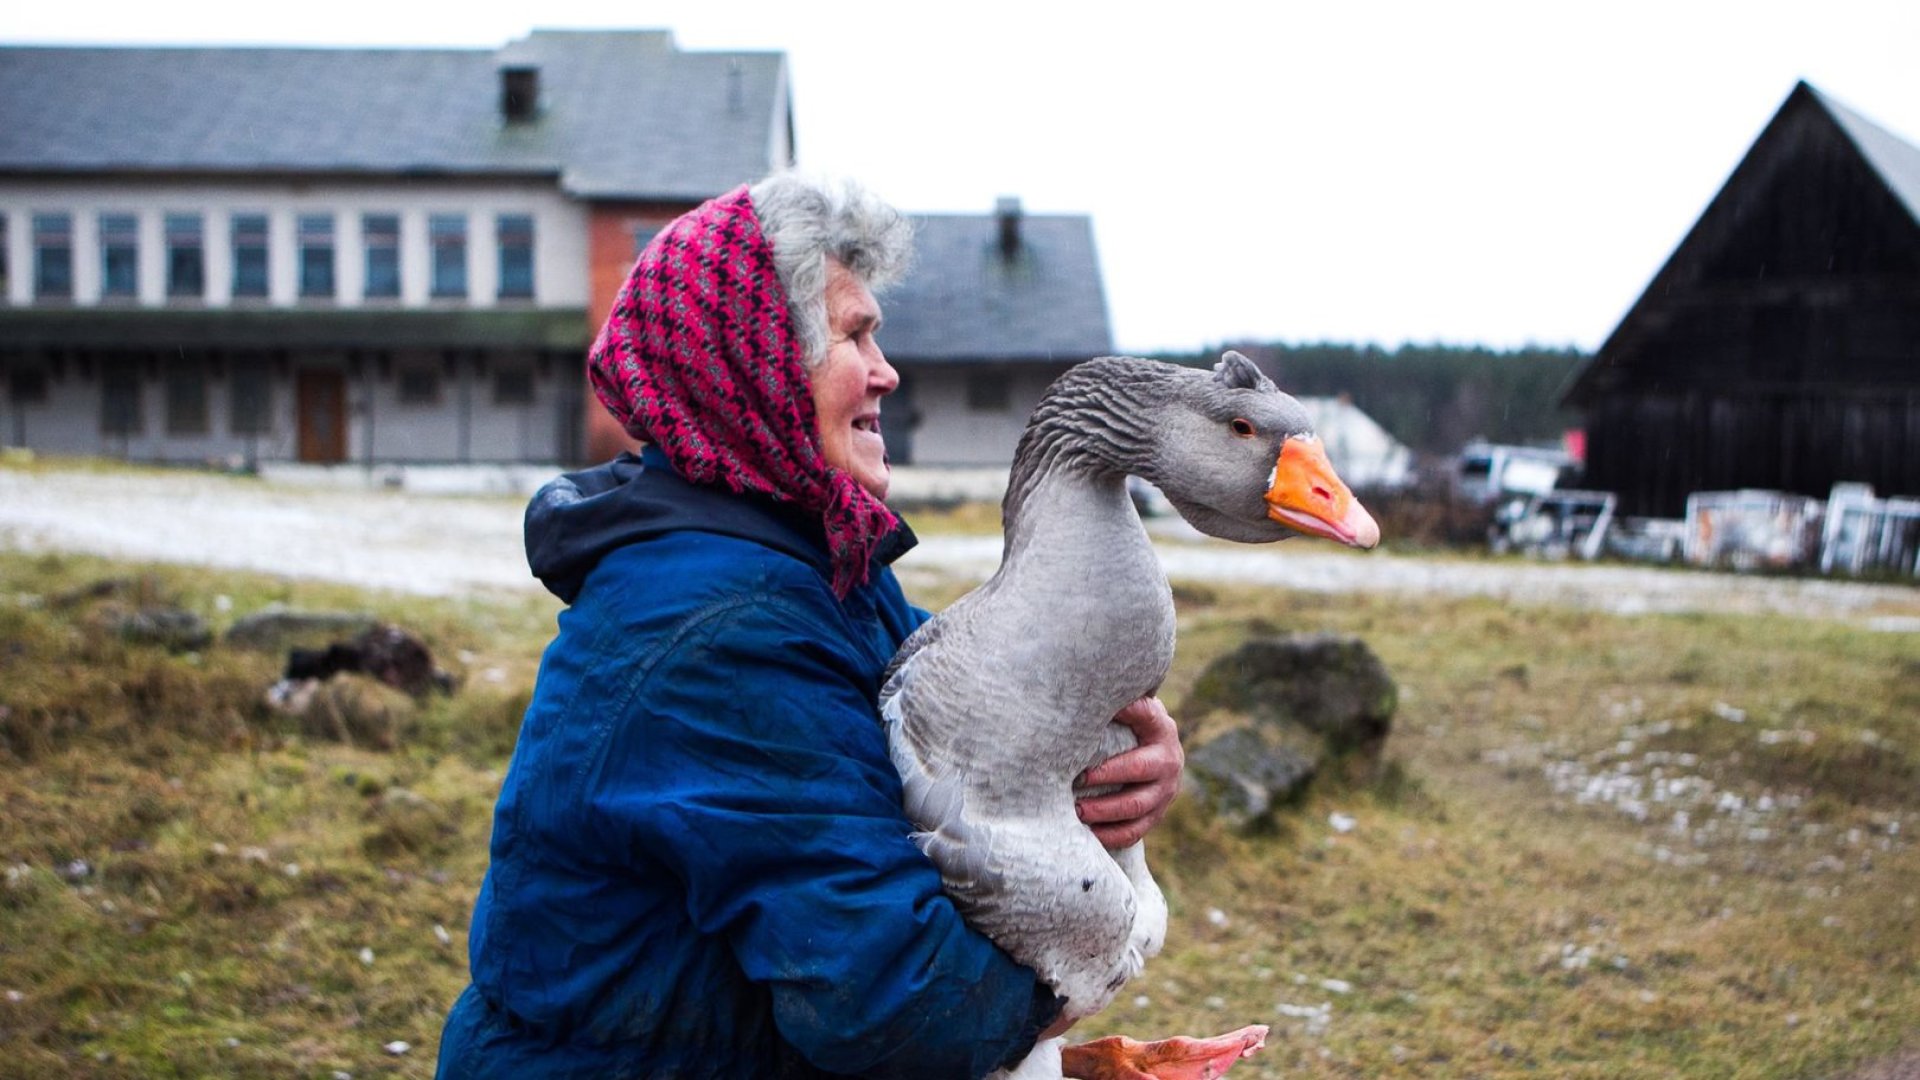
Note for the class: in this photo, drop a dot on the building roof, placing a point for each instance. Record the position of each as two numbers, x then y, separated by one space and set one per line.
562 329
1808 125
622 114
966 300
1896 160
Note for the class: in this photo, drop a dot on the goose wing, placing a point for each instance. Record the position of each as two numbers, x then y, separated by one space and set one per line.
921 697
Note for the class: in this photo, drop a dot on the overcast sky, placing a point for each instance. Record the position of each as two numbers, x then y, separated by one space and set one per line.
1492 173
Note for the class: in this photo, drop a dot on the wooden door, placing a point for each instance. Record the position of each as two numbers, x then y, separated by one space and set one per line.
321 399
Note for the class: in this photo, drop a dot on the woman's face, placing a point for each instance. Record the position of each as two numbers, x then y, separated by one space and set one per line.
848 385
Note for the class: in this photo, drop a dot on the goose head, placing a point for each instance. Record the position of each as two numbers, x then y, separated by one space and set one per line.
1240 460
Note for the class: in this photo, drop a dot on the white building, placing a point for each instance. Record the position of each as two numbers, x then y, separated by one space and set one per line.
344 254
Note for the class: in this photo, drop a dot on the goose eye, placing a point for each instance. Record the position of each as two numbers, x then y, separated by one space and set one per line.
1242 428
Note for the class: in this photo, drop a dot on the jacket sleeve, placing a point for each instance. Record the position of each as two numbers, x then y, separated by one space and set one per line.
756 769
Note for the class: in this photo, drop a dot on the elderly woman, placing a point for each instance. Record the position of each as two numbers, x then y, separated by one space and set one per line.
700 865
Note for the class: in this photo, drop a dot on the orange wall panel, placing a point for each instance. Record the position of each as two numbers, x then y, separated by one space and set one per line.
611 230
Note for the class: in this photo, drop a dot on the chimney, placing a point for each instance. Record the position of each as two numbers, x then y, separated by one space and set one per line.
519 93
1006 212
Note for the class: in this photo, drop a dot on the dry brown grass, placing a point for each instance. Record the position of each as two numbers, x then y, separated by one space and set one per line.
1506 904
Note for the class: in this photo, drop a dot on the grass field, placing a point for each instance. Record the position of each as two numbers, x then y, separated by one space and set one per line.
1598 846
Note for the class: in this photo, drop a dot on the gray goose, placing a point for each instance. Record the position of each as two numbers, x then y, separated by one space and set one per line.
999 702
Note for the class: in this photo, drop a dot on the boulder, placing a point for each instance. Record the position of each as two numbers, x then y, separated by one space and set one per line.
277 628
173 629
1265 718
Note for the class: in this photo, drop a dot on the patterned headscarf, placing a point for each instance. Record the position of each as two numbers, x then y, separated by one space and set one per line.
699 358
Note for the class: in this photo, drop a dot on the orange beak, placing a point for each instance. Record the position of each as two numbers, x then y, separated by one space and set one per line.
1306 495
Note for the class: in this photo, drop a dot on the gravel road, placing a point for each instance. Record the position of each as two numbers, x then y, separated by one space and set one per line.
444 545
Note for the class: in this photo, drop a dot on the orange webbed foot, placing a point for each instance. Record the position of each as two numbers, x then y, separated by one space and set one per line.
1120 1058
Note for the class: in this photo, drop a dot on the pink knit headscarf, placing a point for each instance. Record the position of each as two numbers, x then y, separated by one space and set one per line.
698 357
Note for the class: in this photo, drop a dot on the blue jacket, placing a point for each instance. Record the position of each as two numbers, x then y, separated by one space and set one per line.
700 866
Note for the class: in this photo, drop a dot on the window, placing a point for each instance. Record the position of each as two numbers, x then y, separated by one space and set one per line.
249 396
515 233
419 385
119 255
448 235
186 262
249 256
120 398
519 92
27 386
186 397
513 386
53 256
315 232
988 391
381 234
642 236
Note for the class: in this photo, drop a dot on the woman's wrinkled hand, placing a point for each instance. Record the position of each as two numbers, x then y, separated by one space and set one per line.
1148 775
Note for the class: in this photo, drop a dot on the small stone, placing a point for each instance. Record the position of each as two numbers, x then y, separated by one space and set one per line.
291 869
15 997
232 1042
1337 986
1341 823
1217 917
398 1047
1141 1001
175 629
440 935
366 956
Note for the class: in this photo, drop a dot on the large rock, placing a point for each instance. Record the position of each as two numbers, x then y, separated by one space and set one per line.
173 629
1268 716
277 628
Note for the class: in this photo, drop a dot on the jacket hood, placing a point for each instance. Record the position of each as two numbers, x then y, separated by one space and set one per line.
581 517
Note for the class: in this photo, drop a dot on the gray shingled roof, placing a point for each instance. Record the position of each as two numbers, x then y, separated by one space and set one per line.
624 113
1896 160
965 301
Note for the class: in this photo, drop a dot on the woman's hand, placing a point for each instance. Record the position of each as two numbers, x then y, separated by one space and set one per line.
1148 775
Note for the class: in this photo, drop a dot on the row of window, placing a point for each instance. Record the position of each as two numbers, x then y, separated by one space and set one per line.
316 255
249 395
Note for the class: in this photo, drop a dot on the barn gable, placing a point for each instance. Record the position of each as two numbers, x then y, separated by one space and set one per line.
1779 347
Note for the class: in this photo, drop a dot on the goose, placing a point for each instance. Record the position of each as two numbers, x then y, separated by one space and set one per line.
995 705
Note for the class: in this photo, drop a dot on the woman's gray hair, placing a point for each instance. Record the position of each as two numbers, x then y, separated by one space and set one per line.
808 220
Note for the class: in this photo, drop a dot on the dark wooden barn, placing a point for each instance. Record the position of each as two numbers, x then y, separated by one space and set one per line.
1779 347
